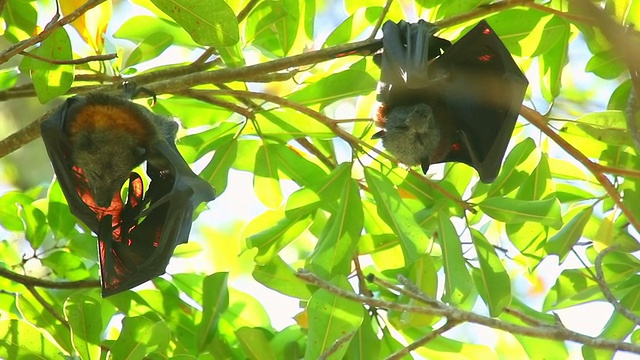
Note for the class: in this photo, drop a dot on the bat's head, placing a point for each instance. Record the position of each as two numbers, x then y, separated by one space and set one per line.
107 158
411 133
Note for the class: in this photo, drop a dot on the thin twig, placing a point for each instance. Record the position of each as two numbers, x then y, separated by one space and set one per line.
204 97
37 282
340 342
22 45
422 341
526 318
457 315
47 306
412 293
604 287
246 10
383 15
83 60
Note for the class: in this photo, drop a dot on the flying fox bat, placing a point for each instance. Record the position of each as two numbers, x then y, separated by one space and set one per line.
94 142
443 102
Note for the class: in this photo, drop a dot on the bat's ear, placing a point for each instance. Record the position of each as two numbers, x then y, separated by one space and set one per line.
379 134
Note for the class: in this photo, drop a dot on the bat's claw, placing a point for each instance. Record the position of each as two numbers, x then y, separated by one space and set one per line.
380 134
424 164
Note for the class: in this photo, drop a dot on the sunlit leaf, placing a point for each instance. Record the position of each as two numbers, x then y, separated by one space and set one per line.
333 318
513 211
458 283
209 22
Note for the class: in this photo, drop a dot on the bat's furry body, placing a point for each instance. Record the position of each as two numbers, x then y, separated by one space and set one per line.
109 137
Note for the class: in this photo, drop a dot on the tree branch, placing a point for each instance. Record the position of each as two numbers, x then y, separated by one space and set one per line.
461 316
47 306
83 60
538 121
37 282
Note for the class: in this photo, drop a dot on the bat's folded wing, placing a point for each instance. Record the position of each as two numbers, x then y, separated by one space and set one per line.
482 95
71 181
152 227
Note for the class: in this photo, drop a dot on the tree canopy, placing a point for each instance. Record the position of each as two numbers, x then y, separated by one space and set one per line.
275 98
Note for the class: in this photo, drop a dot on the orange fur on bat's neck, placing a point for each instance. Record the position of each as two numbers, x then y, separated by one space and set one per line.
115 117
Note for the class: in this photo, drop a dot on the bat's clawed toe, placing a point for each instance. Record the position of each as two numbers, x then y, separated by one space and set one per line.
424 164
380 134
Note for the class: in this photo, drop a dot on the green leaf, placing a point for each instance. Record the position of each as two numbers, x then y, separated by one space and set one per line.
296 166
217 171
354 26
255 344
20 340
552 62
195 146
529 238
149 48
20 18
336 246
573 287
138 28
83 314
51 80
452 8
491 279
365 343
562 242
209 22
272 26
617 328
513 211
58 214
536 348
394 212
32 310
333 317
423 274
458 284
266 183
606 64
342 85
140 337
66 265
215 301
8 78
35 222
520 162
608 126
279 276
278 232
539 184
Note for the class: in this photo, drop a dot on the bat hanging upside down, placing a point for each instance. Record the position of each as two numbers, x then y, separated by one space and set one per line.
443 102
94 143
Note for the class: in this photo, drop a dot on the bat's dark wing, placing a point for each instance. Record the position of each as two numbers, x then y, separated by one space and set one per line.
407 50
482 95
151 225
72 182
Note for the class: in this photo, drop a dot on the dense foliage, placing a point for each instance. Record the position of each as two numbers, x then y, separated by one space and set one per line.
262 94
